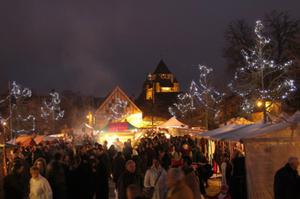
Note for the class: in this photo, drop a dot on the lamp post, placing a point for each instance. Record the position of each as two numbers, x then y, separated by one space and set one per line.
4 148
89 117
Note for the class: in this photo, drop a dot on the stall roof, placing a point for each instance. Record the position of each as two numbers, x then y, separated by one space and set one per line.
173 123
238 132
221 130
118 127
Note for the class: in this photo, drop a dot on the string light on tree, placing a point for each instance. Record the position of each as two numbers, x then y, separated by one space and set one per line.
261 78
118 109
18 91
202 94
51 107
184 105
207 95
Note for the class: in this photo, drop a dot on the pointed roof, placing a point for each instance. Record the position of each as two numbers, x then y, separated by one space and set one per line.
173 123
120 93
162 68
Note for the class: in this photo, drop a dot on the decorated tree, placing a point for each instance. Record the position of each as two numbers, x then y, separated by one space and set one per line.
199 96
50 110
183 106
19 119
262 79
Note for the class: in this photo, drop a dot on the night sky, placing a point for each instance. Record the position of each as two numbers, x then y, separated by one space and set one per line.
90 46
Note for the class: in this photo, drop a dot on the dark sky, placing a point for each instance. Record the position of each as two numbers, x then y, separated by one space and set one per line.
93 45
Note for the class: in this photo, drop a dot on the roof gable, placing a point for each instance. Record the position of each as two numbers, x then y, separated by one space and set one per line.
117 93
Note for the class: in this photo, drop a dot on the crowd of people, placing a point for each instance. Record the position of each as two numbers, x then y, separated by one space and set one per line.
156 168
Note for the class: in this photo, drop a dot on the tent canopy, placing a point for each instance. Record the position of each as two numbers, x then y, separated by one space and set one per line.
221 130
268 147
173 123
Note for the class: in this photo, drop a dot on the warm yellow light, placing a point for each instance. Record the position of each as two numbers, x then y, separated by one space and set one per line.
89 117
166 89
4 123
259 103
135 119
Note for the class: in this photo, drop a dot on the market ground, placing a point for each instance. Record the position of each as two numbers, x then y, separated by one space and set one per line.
213 189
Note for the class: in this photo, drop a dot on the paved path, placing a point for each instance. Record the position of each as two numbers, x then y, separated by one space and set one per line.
112 190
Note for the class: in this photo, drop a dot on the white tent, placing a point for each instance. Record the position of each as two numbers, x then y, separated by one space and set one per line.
221 130
173 123
267 150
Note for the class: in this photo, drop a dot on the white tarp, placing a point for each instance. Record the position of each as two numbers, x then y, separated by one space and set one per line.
173 123
221 130
267 151
265 156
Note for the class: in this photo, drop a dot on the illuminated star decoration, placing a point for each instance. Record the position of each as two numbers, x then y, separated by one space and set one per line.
261 78
117 109
51 108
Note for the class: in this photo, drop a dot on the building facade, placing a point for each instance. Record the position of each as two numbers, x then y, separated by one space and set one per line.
162 80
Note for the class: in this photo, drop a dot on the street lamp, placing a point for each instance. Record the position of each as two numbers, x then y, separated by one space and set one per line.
4 123
89 117
259 103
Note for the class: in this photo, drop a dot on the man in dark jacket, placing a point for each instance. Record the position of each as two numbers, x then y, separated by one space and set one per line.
127 178
14 183
286 181
118 166
56 176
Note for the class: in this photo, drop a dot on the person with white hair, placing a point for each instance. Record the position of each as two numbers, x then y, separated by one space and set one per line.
177 186
287 181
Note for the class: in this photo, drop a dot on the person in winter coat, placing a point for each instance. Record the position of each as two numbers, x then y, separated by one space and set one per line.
178 189
118 166
191 178
226 169
128 177
151 178
102 178
286 182
39 186
55 174
14 184
161 189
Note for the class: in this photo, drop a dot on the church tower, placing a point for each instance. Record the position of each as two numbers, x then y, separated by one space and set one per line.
162 80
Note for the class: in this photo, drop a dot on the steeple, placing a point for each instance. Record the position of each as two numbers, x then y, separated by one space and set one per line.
161 68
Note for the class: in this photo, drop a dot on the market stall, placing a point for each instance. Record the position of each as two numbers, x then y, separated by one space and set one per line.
117 132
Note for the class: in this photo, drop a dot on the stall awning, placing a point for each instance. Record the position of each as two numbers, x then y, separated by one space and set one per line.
221 130
118 127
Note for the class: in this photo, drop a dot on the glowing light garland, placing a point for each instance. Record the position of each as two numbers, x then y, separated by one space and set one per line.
51 108
17 92
118 109
26 119
203 93
261 78
184 105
